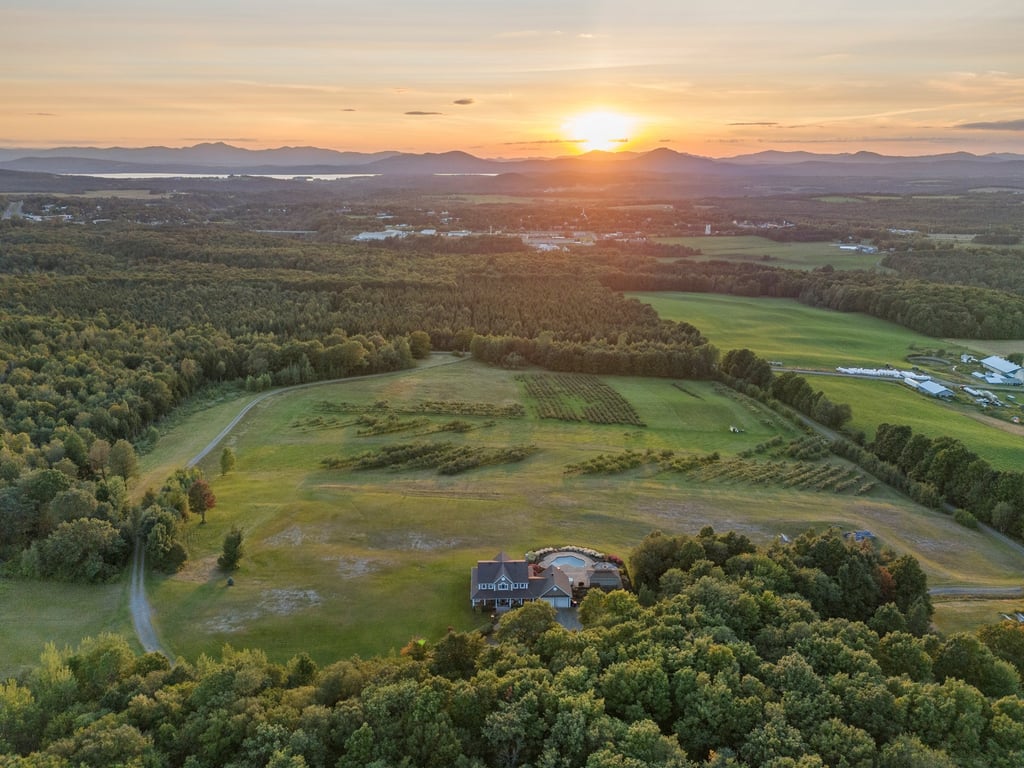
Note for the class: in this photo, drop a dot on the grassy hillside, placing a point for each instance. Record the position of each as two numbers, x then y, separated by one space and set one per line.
343 561
796 335
877 402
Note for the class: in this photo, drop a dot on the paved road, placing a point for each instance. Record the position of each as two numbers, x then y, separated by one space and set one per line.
138 604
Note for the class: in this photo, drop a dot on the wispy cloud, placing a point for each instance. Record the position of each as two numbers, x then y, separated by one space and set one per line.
463 102
347 109
755 123
419 112
43 114
994 125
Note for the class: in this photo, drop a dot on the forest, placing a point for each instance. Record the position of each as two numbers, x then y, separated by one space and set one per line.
808 654
811 653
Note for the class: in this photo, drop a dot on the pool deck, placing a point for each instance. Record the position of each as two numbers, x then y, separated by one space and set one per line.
578 573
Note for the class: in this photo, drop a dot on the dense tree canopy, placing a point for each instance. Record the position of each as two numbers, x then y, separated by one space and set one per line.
736 657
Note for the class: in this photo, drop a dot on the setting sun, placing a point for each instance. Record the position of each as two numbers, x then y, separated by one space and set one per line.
598 130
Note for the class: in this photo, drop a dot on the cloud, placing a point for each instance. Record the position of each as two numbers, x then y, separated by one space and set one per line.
757 123
463 102
995 125
420 112
43 114
347 109
665 141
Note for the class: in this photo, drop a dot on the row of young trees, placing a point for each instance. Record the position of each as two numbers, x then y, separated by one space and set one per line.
725 662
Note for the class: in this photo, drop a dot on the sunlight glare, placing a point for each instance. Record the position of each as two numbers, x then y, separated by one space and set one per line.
598 130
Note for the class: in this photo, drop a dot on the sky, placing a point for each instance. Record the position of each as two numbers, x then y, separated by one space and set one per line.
512 79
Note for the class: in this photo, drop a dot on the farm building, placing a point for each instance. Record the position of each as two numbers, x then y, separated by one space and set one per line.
929 388
1002 367
386 234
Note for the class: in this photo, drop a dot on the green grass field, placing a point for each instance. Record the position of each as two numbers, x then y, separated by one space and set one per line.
877 402
35 613
751 248
340 562
818 339
785 330
966 615
343 562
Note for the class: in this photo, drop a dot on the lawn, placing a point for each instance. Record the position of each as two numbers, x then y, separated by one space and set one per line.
751 248
787 331
342 562
966 615
35 613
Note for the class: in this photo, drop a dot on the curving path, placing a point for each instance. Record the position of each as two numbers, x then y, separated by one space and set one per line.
141 612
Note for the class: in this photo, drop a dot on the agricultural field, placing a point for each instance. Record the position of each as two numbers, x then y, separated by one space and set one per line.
796 335
878 402
751 248
344 561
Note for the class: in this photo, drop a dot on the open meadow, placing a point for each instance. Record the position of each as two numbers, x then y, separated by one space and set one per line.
792 333
880 402
754 249
343 560
61 614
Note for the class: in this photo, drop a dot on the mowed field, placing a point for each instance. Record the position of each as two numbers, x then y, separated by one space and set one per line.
817 339
879 402
751 248
34 613
346 561
789 332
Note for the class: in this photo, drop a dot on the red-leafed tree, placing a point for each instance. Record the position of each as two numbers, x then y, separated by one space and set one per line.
200 497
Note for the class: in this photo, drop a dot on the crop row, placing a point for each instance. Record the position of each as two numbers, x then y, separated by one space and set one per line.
441 407
578 398
373 425
802 475
319 422
447 458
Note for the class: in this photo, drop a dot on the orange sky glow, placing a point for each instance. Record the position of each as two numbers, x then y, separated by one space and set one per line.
902 77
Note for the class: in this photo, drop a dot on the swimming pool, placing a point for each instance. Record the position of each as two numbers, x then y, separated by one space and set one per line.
569 560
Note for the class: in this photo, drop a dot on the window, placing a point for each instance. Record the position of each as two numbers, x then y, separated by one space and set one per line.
504 585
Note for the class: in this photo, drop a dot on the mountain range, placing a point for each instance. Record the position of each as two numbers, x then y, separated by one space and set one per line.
224 158
757 173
